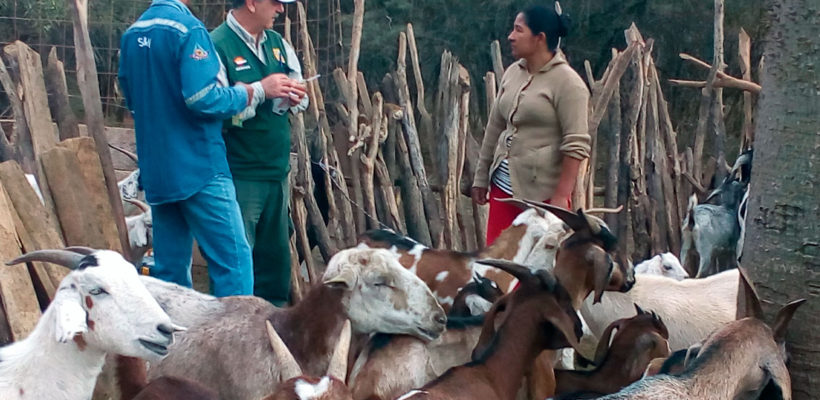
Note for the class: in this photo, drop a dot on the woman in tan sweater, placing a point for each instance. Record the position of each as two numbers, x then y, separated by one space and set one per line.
537 132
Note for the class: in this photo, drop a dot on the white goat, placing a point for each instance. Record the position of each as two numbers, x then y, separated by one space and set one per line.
140 230
367 286
665 264
691 308
100 307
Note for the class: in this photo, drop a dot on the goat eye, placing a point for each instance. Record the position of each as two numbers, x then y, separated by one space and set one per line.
97 291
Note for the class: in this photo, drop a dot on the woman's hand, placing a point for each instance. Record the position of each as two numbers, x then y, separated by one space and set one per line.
479 195
561 201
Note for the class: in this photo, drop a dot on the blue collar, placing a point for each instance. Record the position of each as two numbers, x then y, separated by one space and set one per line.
173 3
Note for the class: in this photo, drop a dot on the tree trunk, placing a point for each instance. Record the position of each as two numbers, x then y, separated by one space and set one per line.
783 236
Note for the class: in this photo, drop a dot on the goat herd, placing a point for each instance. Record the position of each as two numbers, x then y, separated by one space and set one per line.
547 311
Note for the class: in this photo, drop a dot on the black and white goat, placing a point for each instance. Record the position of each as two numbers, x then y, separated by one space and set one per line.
100 307
713 229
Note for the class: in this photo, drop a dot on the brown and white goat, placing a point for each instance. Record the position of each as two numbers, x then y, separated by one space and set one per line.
391 365
638 340
368 287
536 316
297 386
735 362
534 239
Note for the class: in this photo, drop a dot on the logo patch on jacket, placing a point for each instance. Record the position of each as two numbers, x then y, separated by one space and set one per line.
199 53
241 63
277 54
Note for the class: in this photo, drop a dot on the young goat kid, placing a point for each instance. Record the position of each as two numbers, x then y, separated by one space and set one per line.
100 307
638 340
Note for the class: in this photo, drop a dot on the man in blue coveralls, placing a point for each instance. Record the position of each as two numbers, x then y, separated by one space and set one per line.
168 74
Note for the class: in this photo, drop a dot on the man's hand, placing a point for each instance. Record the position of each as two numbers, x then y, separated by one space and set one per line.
279 85
479 195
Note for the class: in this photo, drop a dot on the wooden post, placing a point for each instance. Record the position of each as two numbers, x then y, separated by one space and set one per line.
655 168
330 158
90 89
304 180
498 65
744 52
413 146
350 95
718 124
417 226
34 227
368 160
19 300
426 129
37 113
58 97
613 167
20 137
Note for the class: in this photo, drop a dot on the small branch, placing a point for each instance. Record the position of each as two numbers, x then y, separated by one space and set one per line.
724 79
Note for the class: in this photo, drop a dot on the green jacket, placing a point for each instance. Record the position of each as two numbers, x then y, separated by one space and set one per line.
259 148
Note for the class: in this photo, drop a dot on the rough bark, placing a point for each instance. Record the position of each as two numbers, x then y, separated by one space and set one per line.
58 97
782 249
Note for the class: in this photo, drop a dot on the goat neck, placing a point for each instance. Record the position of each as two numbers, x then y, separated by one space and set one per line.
132 376
306 327
73 363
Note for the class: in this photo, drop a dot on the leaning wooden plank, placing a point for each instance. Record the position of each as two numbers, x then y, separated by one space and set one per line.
58 97
63 169
90 90
16 290
37 113
104 233
34 226
20 138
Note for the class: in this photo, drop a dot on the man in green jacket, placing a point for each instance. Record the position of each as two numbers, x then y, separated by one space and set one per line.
258 140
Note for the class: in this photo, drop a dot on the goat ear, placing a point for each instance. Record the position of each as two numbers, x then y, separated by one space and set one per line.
565 323
780 383
289 367
577 223
602 273
603 344
784 316
748 304
638 309
346 277
495 317
338 362
70 318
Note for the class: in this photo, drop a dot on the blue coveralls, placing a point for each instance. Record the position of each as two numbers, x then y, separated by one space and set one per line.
168 74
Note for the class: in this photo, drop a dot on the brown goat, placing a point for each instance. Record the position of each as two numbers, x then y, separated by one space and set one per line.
738 361
296 386
638 340
537 316
133 384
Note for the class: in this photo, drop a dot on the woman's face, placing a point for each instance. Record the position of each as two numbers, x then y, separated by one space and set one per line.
522 41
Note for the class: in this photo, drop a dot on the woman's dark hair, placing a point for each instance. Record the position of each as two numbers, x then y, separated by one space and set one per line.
544 19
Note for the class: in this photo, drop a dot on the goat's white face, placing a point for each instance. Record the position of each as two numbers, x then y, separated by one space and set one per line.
140 229
383 296
665 264
107 304
544 234
129 187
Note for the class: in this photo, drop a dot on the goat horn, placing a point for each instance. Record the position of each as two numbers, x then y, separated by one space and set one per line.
604 210
522 204
142 206
290 368
517 270
576 222
68 259
81 250
338 363
126 152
